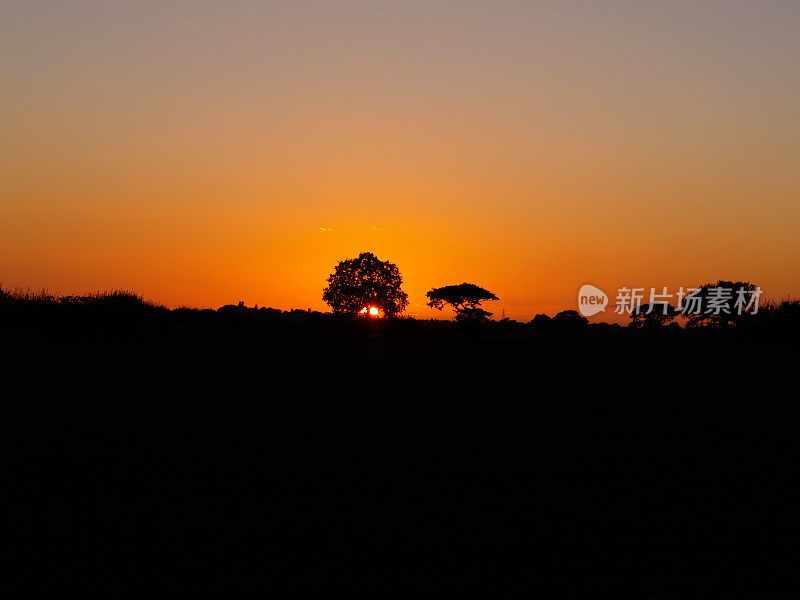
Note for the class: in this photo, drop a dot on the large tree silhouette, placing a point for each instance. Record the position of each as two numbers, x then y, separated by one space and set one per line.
465 299
720 304
363 283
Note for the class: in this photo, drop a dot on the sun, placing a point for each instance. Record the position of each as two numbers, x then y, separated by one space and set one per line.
373 311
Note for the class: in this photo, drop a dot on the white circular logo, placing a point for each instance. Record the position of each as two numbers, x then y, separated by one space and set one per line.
591 300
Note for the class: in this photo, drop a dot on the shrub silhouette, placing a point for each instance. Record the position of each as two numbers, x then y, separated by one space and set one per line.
570 319
540 320
360 283
465 299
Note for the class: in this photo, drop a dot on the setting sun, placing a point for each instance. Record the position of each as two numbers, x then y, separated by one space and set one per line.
373 312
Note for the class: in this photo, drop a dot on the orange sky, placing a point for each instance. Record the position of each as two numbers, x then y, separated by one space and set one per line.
195 153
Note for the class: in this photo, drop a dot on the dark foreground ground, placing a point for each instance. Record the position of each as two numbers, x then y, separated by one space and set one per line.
239 464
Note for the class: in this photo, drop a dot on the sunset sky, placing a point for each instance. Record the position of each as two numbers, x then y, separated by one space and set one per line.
203 153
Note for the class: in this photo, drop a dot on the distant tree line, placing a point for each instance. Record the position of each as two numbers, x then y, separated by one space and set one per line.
368 283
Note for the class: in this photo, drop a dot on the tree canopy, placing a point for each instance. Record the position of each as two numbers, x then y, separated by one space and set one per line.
721 304
465 298
363 283
570 319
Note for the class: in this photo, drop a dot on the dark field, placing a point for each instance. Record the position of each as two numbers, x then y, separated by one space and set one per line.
241 463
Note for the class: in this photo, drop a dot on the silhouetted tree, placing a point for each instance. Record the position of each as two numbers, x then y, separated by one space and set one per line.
570 319
719 304
465 299
656 314
364 282
778 319
540 320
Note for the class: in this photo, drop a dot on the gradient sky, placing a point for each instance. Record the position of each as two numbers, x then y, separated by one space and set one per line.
204 153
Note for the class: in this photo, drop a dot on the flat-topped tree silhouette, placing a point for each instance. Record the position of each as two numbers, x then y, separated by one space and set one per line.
365 285
465 299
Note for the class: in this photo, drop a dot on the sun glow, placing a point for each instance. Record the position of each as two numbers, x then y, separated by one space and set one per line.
373 312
